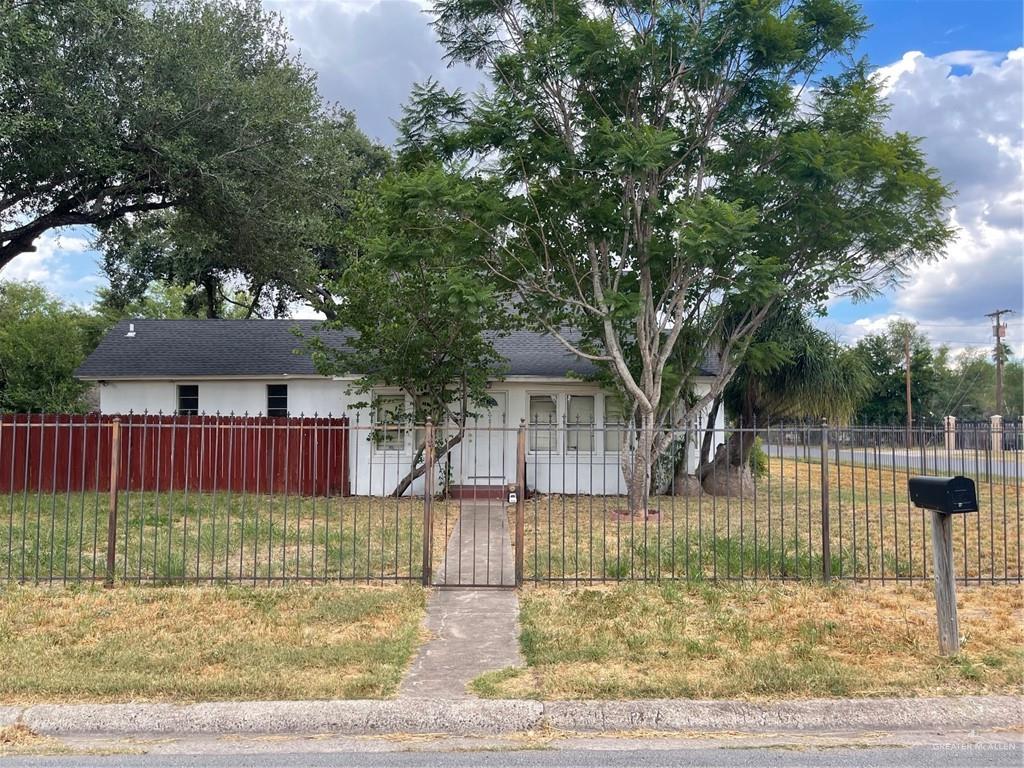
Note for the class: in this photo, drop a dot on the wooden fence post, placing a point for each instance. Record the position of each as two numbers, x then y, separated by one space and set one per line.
826 522
115 479
428 500
945 584
520 499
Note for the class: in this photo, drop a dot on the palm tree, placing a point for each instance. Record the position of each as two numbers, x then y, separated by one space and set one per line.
790 370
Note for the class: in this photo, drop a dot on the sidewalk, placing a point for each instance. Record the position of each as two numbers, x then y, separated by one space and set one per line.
490 717
473 630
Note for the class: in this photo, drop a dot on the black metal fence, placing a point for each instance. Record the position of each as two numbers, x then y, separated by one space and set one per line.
505 505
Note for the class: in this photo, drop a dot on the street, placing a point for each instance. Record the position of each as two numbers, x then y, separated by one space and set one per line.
997 747
897 757
975 464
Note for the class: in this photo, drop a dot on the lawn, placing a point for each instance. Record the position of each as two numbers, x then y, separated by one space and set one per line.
775 532
206 643
760 642
176 537
173 537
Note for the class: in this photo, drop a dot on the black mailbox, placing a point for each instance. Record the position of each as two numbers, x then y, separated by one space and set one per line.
944 494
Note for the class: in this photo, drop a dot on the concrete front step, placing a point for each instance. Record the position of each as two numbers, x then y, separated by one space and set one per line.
478 492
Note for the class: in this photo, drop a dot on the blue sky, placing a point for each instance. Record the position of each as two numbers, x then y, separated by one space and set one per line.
955 74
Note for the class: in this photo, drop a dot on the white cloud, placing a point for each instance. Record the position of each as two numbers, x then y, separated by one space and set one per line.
49 266
368 55
968 107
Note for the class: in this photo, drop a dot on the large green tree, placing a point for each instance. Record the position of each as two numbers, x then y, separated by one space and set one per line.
42 342
941 383
167 301
1013 389
657 175
184 129
884 354
421 315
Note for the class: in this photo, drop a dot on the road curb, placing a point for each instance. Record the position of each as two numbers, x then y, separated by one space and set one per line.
489 717
341 717
802 715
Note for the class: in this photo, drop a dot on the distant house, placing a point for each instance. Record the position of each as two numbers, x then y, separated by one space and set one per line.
259 367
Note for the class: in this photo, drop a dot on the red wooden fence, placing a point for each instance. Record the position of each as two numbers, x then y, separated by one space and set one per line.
56 453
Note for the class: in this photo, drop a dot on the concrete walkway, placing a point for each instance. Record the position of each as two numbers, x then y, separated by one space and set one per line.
479 551
473 630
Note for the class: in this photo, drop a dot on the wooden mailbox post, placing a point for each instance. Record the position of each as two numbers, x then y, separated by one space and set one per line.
945 497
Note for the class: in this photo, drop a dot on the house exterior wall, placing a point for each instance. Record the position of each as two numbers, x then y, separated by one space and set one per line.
487 455
306 396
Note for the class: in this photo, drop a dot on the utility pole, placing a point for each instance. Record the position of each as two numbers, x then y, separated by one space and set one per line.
910 409
999 331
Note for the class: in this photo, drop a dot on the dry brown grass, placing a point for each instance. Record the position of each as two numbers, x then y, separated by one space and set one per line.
875 532
646 641
191 644
19 739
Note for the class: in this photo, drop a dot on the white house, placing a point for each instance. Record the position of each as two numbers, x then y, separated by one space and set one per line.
259 367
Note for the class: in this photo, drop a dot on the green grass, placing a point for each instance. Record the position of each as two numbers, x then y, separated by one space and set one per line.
705 641
169 538
202 644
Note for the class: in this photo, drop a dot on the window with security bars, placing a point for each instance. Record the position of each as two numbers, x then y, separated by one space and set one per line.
543 423
579 417
188 400
388 415
615 432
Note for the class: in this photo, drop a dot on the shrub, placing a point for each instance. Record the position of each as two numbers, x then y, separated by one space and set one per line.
758 459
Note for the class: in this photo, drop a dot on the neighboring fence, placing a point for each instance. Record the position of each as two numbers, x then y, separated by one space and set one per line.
266 501
50 453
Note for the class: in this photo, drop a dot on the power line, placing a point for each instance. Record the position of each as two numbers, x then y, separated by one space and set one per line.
966 391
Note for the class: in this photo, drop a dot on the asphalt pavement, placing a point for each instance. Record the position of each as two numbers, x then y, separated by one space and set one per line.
978 754
979 465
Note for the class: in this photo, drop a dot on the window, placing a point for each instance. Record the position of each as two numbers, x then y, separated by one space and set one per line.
579 413
543 423
614 423
277 399
188 400
388 415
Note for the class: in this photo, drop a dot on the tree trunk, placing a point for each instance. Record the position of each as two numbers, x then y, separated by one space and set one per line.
637 468
210 294
410 477
419 467
686 484
729 473
684 481
681 481
709 432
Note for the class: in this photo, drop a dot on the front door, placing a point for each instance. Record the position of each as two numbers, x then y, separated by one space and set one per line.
485 460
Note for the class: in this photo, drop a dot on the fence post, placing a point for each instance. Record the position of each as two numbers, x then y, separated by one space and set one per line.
945 584
428 500
115 469
949 422
520 499
997 433
826 523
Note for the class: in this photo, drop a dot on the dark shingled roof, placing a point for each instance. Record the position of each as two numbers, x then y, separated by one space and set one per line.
178 348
